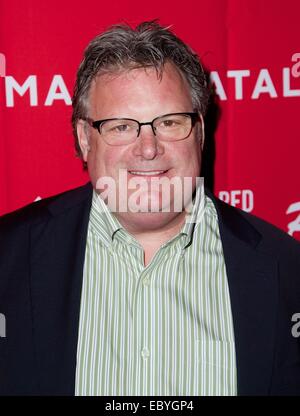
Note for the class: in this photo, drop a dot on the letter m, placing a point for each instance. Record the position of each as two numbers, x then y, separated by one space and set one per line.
12 85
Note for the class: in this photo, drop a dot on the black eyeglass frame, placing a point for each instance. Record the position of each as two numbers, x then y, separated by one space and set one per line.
98 123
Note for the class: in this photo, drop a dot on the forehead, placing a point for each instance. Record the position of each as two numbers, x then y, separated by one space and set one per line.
140 85
131 72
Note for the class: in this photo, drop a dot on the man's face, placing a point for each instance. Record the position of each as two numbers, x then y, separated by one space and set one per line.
139 94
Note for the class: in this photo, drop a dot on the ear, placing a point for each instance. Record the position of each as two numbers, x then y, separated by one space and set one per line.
202 131
83 138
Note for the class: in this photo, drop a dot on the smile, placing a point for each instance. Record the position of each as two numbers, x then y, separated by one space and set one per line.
147 173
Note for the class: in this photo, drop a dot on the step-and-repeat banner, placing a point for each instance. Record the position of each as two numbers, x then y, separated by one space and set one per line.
251 49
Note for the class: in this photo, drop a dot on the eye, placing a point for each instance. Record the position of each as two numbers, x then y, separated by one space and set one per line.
117 126
120 128
169 123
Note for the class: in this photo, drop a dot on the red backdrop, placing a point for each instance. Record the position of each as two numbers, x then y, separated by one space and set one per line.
252 48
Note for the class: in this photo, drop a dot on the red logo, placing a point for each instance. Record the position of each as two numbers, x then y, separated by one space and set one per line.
294 226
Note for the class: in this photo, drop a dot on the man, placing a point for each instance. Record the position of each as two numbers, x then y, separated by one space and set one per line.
101 298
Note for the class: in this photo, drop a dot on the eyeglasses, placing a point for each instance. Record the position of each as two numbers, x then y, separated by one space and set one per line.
123 131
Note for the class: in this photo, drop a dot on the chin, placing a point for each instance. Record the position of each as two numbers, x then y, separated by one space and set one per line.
155 202
149 221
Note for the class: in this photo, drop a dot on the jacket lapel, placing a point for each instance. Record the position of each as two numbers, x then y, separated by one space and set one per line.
57 260
253 287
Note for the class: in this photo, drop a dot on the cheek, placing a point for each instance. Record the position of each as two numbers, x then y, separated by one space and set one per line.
189 159
105 160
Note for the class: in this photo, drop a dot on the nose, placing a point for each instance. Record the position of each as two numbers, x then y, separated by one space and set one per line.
147 145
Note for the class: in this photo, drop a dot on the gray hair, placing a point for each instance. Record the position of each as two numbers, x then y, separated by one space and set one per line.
148 45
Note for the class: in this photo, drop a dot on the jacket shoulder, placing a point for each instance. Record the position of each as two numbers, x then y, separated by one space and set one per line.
39 210
269 231
271 237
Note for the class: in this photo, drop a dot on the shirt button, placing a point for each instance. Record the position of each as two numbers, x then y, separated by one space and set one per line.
146 281
145 353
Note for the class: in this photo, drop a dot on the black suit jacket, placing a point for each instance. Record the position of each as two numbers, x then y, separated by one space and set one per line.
42 250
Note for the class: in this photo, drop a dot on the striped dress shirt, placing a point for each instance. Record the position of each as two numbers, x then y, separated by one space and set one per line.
164 329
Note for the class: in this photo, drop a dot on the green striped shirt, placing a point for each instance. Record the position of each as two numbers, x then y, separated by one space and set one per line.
164 329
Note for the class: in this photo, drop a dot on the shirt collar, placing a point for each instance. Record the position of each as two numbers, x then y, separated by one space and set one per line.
195 213
104 223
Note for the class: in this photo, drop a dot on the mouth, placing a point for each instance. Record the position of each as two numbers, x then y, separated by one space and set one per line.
148 173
